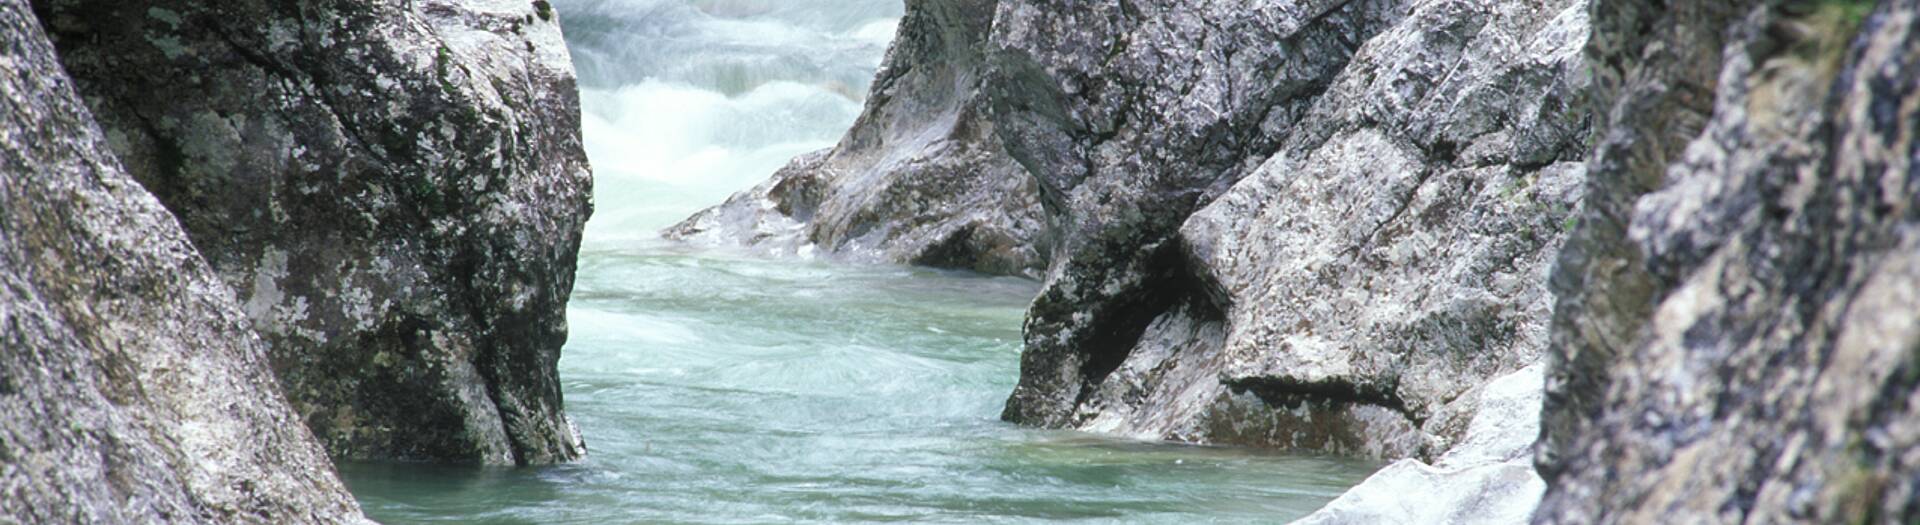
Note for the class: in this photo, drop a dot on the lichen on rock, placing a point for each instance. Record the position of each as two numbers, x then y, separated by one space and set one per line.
131 388
1372 252
1736 334
395 190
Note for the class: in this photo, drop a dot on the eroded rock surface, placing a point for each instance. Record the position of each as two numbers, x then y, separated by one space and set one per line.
1409 171
1739 317
395 190
921 177
131 388
1487 478
1311 225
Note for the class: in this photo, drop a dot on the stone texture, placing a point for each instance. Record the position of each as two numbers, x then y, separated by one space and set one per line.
921 177
1738 331
1487 478
1130 116
1410 169
395 189
131 389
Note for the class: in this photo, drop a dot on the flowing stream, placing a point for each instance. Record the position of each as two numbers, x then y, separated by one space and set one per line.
719 388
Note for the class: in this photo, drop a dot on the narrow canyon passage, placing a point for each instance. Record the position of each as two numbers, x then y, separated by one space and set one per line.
714 386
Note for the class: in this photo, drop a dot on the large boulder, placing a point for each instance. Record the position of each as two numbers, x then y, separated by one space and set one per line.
131 388
1131 116
395 189
1317 225
1739 316
1409 172
921 177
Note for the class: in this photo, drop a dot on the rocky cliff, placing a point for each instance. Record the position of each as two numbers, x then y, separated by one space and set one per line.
131 388
921 177
394 189
1299 225
1391 228
1409 169
1738 331
1310 225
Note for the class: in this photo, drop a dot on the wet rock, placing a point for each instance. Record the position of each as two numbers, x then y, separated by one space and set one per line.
131 388
1738 318
394 189
1315 225
1487 478
921 177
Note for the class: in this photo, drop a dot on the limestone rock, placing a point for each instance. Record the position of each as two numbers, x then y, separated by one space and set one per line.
131 389
1131 116
921 178
1736 334
1410 169
395 189
1488 478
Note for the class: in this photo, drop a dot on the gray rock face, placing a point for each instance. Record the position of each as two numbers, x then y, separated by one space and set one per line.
1130 116
131 389
1312 225
1739 317
395 190
921 178
1487 478
1409 174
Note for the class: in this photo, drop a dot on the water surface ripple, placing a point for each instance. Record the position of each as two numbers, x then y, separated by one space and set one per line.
718 388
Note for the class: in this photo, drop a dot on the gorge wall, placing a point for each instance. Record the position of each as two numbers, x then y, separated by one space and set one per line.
921 177
1353 226
1738 331
395 190
1317 244
1376 186
1339 226
131 388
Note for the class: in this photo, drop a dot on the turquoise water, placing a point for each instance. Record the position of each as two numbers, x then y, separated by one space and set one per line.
718 388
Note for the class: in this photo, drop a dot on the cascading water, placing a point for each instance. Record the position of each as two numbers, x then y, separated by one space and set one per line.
713 387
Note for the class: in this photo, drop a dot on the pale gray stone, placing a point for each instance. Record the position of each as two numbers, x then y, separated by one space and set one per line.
1388 258
131 388
1488 478
921 178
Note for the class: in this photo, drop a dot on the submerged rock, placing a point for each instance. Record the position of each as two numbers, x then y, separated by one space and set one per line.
1739 315
1409 169
921 177
395 190
131 389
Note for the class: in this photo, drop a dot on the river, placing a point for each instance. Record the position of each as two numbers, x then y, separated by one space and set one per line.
714 387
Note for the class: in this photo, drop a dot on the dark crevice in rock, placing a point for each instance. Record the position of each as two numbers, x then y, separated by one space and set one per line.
955 251
1287 392
1115 339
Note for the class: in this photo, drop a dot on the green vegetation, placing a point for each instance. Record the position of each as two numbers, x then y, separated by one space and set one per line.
443 68
1850 12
